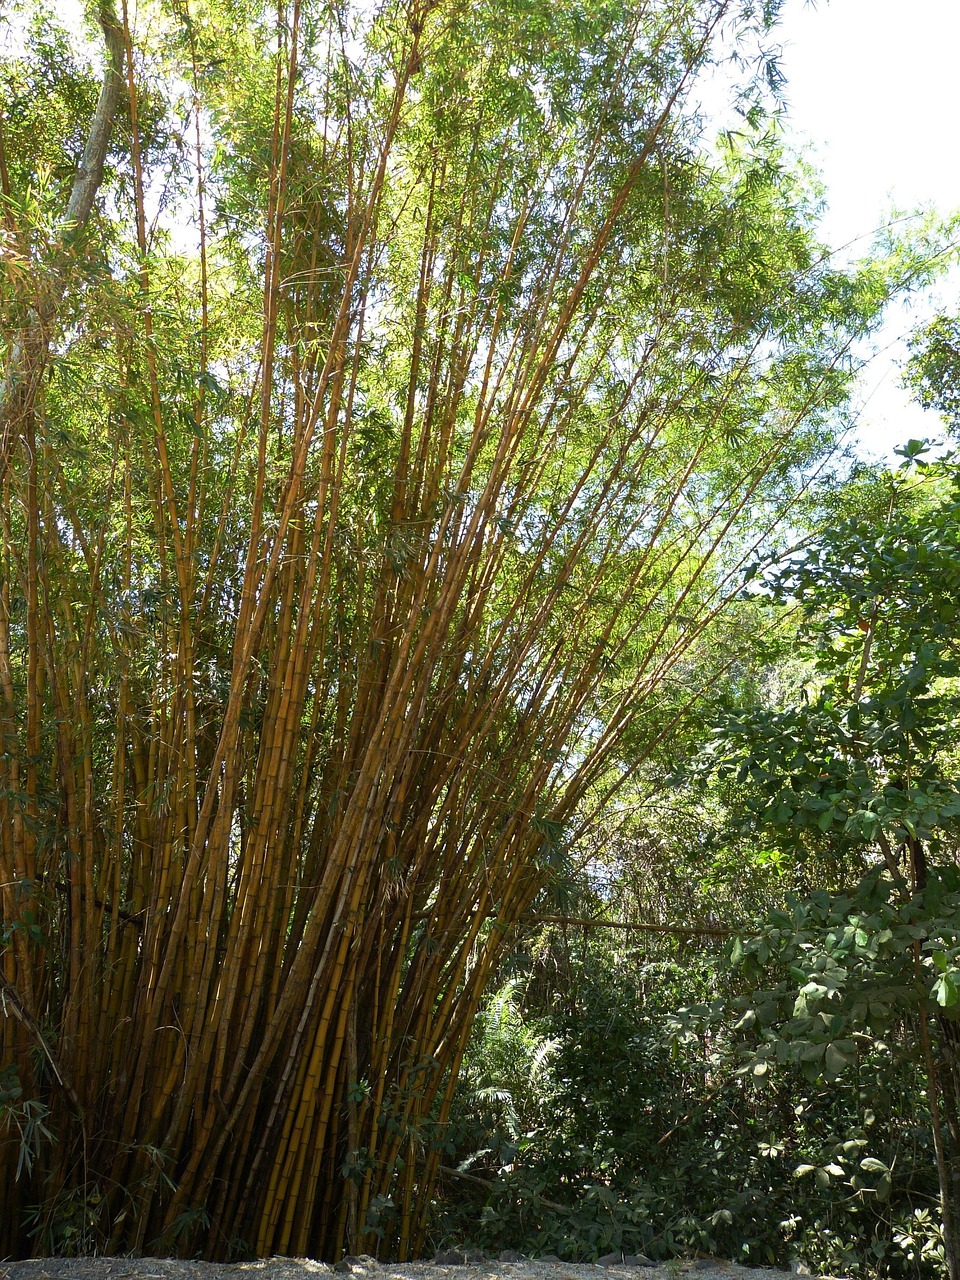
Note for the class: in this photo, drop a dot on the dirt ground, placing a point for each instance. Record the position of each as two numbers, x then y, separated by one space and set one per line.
368 1269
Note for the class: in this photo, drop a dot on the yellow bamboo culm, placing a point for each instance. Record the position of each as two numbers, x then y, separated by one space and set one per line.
357 497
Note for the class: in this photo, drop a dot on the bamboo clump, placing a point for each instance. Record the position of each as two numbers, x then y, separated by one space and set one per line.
336 562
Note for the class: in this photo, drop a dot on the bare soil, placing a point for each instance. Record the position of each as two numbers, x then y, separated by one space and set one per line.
368 1269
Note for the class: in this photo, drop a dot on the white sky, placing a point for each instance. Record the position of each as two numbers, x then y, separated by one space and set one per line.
874 86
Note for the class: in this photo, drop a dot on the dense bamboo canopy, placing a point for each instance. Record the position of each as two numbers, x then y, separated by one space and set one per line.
392 396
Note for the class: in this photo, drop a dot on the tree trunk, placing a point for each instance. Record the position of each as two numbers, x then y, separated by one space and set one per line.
28 351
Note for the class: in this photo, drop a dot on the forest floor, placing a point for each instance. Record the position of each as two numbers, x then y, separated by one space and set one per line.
367 1269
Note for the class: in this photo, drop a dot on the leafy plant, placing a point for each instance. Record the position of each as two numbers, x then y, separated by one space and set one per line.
864 766
27 1116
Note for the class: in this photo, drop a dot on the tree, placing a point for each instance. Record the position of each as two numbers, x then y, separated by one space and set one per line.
865 766
343 536
933 366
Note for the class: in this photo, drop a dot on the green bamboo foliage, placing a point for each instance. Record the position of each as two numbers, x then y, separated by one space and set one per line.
402 422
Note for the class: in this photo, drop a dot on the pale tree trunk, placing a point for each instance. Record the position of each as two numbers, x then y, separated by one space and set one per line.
28 350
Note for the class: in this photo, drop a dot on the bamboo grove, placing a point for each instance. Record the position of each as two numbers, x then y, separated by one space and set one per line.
392 398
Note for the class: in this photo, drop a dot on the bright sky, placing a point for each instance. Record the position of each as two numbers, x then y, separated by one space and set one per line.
874 86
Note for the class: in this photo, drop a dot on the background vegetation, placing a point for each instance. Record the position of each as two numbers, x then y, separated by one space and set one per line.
477 758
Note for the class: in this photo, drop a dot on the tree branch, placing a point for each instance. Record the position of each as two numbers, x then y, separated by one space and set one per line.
704 931
12 1002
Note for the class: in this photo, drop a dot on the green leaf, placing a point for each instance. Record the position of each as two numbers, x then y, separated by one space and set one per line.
945 991
834 1061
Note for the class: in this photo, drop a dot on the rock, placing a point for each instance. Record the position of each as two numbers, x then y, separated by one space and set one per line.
450 1258
610 1260
342 1267
509 1255
548 1257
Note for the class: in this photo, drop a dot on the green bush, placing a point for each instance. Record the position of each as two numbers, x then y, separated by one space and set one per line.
599 1120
